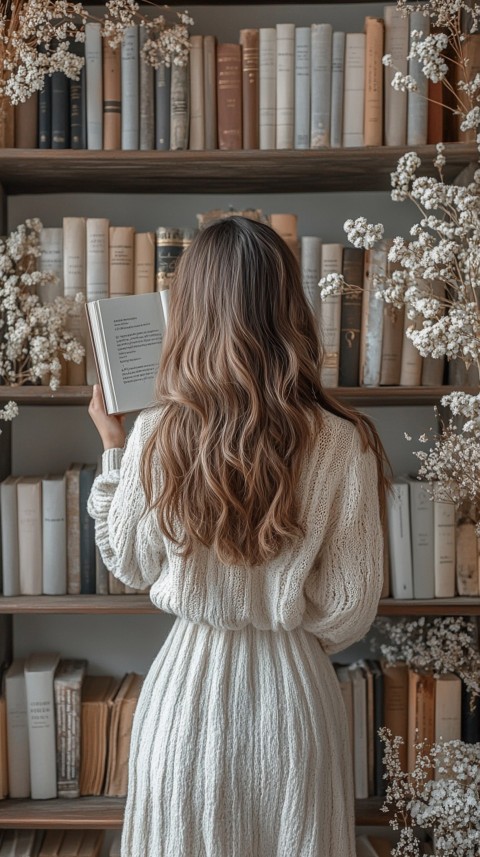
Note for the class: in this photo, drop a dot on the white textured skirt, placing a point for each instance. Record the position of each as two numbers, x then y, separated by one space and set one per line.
239 748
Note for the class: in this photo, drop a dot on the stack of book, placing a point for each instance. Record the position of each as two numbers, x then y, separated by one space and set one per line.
282 87
64 733
377 694
48 537
51 843
433 551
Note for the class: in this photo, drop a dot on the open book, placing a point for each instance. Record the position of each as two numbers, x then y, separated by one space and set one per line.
127 335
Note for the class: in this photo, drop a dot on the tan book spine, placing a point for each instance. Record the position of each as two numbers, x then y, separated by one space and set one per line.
249 41
29 500
144 273
448 707
7 125
26 123
210 90
112 97
51 843
466 557
75 280
391 362
395 704
115 586
121 260
470 48
412 360
286 226
421 712
373 118
444 548
197 95
229 96
72 478
396 44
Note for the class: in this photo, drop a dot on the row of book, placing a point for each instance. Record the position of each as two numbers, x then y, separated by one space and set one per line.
364 340
64 733
281 87
412 704
48 537
433 549
52 843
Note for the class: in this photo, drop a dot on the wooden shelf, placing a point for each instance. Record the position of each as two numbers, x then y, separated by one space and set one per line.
107 813
135 604
358 396
360 169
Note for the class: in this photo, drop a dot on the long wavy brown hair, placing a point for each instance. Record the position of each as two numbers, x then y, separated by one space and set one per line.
238 382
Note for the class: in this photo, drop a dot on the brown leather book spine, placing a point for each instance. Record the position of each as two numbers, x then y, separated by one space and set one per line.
229 96
7 124
26 123
112 97
395 704
373 115
250 88
435 112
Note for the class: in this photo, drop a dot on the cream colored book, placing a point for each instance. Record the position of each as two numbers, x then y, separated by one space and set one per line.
354 93
54 535
287 228
285 86
75 281
127 335
144 271
29 504
17 731
411 365
39 674
51 260
330 315
121 260
466 557
444 547
197 95
396 44
448 707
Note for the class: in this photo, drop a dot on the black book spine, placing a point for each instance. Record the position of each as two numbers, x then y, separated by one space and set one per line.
470 718
87 534
163 77
77 112
60 111
169 248
45 115
350 320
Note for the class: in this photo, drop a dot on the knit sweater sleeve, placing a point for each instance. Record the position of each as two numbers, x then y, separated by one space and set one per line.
343 589
130 543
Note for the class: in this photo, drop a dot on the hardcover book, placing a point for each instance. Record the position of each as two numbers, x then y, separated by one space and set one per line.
127 335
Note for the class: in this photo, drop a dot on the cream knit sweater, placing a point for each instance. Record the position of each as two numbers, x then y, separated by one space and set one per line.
240 745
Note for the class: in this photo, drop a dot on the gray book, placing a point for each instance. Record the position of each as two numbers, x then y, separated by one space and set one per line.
39 674
321 83
311 251
338 76
421 530
210 95
9 523
94 85
54 535
17 731
267 47
147 89
163 77
130 90
179 107
302 88
417 104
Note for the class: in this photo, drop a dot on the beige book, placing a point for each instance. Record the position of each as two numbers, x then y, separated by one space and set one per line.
421 712
371 332
210 90
448 707
395 704
197 95
286 226
112 97
373 119
29 504
360 767
115 586
39 673
392 340
75 281
466 557
72 478
330 316
17 731
123 710
396 44
92 842
144 271
354 92
121 260
51 843
444 548
285 86
98 693
412 361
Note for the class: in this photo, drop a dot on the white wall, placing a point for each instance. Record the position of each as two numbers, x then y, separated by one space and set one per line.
48 439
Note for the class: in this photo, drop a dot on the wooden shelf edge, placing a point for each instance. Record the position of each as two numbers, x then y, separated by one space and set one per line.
457 606
359 396
107 813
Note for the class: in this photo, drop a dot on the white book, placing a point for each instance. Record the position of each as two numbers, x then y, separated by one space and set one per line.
371 333
146 75
302 88
311 260
285 86
74 255
396 44
51 261
330 314
421 528
448 707
17 731
54 535
39 674
268 86
130 89
354 91
127 335
399 541
197 95
321 85
29 504
94 85
360 748
466 557
97 258
10 543
444 542
338 83
417 103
